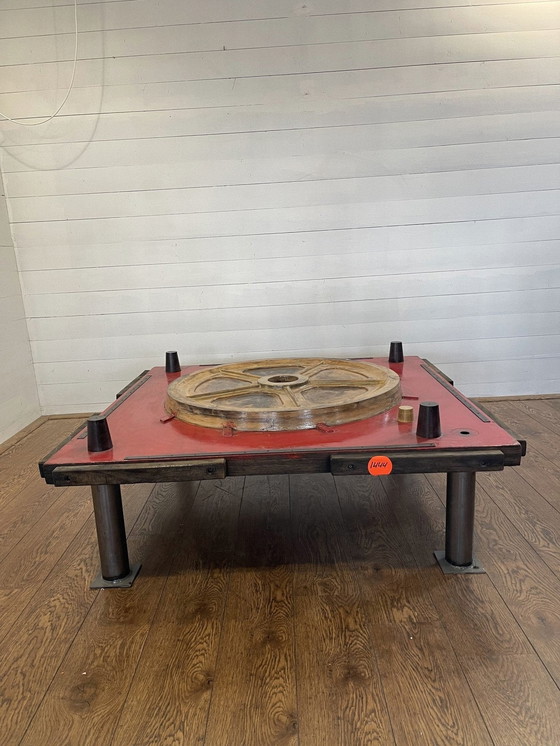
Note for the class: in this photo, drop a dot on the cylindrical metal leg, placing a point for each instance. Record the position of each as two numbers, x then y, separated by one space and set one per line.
111 534
461 487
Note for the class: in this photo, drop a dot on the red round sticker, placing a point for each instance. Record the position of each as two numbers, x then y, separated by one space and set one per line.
380 465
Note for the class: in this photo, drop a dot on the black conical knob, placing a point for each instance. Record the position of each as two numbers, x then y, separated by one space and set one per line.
172 364
428 420
396 353
98 435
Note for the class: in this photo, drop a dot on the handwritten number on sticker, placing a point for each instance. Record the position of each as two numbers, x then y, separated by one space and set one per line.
378 465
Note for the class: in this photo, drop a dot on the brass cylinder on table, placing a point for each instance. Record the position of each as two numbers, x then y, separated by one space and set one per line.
405 414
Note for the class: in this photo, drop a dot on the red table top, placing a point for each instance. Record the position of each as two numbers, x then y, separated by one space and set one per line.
139 434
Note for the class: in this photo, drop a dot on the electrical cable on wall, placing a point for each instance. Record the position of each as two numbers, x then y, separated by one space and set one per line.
52 116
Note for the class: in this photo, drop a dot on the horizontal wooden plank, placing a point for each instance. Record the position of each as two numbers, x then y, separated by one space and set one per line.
294 291
426 308
422 462
446 353
279 294
285 60
213 9
142 14
188 121
293 219
305 88
514 388
528 372
509 371
290 30
279 34
372 263
133 473
286 143
487 359
520 372
348 464
260 342
458 238
343 165
223 199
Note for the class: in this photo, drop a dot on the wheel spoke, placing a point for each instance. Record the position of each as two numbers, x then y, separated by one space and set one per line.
242 375
353 382
310 368
211 395
288 397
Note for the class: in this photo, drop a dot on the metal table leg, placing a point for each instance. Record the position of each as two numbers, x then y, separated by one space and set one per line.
116 571
458 555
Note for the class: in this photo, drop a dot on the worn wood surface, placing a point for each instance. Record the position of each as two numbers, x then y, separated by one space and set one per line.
423 461
295 610
134 472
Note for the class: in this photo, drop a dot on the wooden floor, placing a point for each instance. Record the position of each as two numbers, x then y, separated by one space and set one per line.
279 610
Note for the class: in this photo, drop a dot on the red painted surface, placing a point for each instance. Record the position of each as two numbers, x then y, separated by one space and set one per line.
138 432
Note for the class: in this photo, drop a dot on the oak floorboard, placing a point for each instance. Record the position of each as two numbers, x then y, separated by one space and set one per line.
254 697
544 411
494 532
32 558
554 403
477 621
528 586
25 507
19 465
533 516
427 695
530 494
537 434
28 565
529 589
542 474
32 446
96 673
169 699
339 688
542 470
45 628
517 698
395 585
18 438
24 512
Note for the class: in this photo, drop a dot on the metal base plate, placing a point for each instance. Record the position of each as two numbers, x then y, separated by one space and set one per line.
449 569
126 582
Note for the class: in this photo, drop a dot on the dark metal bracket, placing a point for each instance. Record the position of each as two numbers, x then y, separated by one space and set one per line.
448 569
100 582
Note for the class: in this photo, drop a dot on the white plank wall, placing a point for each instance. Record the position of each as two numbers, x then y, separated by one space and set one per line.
19 401
272 177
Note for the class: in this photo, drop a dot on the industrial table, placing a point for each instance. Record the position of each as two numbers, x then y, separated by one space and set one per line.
149 445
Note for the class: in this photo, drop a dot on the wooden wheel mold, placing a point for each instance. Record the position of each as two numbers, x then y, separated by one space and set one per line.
283 394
